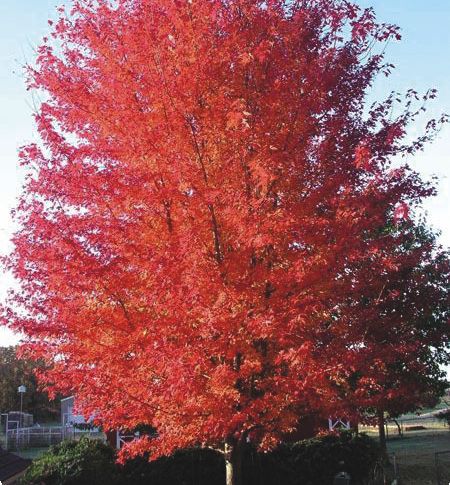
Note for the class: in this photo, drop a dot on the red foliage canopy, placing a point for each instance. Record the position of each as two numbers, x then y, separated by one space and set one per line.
208 177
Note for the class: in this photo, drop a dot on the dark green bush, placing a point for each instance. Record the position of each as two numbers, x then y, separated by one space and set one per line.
83 462
309 462
185 467
316 461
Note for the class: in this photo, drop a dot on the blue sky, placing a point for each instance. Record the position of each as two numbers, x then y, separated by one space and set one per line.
421 58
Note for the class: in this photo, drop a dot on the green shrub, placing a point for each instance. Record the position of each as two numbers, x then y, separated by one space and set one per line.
316 461
309 462
83 462
185 467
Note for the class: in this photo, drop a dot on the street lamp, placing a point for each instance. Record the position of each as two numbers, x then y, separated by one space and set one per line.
21 390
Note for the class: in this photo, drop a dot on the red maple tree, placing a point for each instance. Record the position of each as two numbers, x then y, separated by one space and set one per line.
208 174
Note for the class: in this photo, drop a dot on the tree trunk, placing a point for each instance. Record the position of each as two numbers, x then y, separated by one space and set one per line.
233 463
381 431
399 428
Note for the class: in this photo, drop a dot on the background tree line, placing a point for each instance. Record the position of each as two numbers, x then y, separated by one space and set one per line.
15 372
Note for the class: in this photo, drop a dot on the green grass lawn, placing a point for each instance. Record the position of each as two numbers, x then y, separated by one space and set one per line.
31 453
415 457
415 451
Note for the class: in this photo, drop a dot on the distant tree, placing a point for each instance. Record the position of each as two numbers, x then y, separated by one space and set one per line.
209 177
444 416
397 333
15 372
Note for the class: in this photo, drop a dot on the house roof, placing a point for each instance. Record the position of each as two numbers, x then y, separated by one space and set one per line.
11 465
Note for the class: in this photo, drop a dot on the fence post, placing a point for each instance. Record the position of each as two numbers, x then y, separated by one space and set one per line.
438 473
394 459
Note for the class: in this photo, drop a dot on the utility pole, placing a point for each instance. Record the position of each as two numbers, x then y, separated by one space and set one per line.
21 390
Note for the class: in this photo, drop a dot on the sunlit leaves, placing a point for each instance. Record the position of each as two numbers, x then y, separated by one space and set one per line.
206 217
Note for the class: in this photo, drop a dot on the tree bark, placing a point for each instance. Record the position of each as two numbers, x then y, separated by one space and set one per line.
233 463
381 431
399 428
